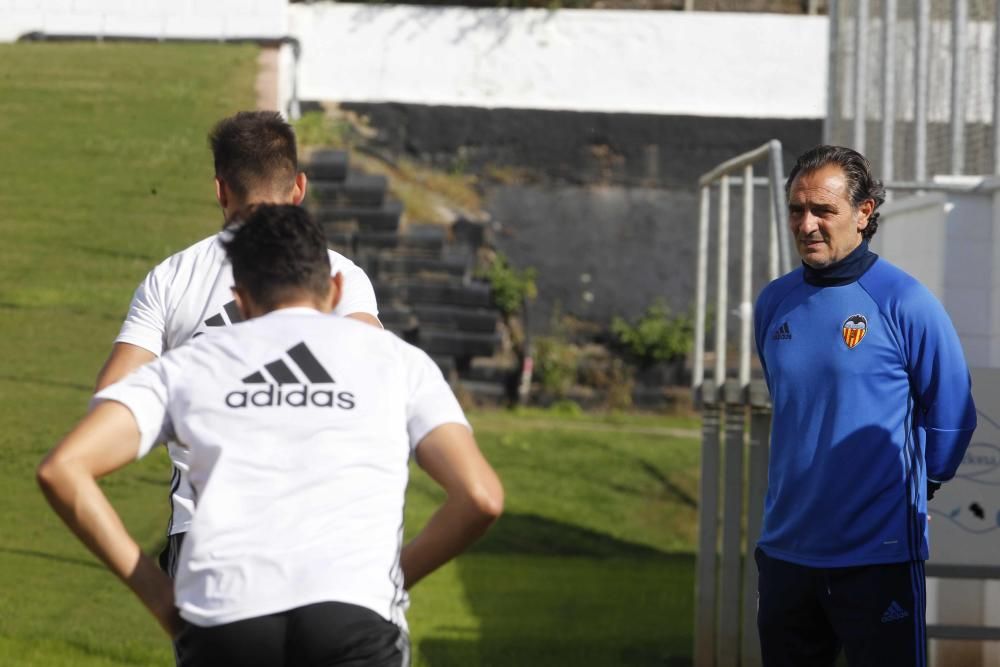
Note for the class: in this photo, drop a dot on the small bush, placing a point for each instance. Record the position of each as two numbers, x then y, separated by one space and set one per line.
656 336
556 362
511 287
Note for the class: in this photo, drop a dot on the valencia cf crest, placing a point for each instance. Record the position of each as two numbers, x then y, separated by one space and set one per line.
854 329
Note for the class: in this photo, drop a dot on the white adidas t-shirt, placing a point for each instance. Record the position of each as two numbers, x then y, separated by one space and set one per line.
189 294
299 429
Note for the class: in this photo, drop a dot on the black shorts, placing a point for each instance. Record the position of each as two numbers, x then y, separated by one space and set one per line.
875 613
328 634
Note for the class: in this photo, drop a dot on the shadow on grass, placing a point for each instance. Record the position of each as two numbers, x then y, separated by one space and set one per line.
549 593
31 553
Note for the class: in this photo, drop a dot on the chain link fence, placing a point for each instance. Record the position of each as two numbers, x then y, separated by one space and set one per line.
913 85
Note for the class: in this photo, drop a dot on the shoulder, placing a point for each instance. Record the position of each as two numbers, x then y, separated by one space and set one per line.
340 263
207 249
776 290
892 288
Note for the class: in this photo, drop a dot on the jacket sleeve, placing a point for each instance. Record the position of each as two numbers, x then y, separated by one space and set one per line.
941 383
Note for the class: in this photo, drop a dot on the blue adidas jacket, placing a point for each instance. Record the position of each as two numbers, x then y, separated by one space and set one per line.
871 396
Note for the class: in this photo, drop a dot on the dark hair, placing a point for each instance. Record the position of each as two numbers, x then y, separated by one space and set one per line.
254 150
861 183
277 252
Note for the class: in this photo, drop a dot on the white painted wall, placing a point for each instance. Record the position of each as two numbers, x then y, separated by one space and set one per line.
678 63
214 19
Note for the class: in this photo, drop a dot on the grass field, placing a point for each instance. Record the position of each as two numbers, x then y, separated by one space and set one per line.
104 170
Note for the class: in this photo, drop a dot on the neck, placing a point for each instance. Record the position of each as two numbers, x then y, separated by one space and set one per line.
842 272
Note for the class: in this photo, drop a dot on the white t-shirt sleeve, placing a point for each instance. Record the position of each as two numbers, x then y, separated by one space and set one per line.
146 322
431 402
144 393
359 295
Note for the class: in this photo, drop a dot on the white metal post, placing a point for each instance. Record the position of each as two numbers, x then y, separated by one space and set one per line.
888 88
996 88
922 76
746 305
701 288
832 73
959 28
860 73
722 295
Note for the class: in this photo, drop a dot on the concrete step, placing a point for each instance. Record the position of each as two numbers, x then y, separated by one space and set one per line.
327 165
457 344
414 292
403 244
357 190
382 219
389 265
483 320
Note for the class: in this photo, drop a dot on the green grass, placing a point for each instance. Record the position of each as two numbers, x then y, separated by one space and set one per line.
104 170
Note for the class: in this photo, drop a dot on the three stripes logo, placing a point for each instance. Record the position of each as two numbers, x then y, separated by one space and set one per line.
895 612
219 320
293 380
783 332
854 329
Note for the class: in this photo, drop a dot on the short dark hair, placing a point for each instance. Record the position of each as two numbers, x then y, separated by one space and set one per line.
278 251
253 150
861 183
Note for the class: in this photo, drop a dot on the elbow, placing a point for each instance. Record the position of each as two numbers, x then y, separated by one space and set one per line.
488 502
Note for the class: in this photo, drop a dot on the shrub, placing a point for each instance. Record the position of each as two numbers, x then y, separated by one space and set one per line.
510 287
656 336
556 362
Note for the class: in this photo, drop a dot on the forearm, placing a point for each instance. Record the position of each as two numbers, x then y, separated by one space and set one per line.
83 507
451 529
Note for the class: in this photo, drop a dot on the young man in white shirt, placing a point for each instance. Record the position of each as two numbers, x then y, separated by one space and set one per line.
298 428
188 294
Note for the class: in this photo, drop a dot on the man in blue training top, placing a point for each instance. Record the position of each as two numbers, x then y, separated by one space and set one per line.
872 412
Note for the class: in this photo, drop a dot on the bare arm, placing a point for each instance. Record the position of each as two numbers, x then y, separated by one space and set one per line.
124 359
449 454
104 441
367 318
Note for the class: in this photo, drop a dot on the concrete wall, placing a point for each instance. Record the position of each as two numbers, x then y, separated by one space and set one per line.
161 19
675 63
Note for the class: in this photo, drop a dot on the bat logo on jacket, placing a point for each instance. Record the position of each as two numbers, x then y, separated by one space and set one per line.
854 329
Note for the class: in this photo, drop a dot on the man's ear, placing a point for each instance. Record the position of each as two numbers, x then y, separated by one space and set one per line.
221 192
299 189
336 291
244 303
865 210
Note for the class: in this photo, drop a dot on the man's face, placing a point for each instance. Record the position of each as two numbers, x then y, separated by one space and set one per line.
825 224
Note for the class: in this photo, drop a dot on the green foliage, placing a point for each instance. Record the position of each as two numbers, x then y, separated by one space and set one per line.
317 128
510 287
556 362
656 336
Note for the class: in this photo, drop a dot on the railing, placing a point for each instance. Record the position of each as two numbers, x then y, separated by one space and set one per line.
725 598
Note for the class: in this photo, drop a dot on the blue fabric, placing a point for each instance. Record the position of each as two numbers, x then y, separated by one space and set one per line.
843 272
857 430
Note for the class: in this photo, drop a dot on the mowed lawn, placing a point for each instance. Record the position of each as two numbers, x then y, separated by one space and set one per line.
104 170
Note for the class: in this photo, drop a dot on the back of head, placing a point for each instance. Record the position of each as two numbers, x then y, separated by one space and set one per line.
279 253
255 154
861 182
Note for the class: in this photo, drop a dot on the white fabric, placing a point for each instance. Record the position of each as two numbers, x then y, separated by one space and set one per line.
294 504
189 294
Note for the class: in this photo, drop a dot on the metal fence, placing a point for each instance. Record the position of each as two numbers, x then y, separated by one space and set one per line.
735 411
915 84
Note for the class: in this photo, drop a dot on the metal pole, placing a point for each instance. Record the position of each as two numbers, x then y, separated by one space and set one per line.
832 73
746 295
701 287
860 73
923 23
708 520
888 87
777 174
772 250
722 301
732 523
760 430
996 88
959 28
